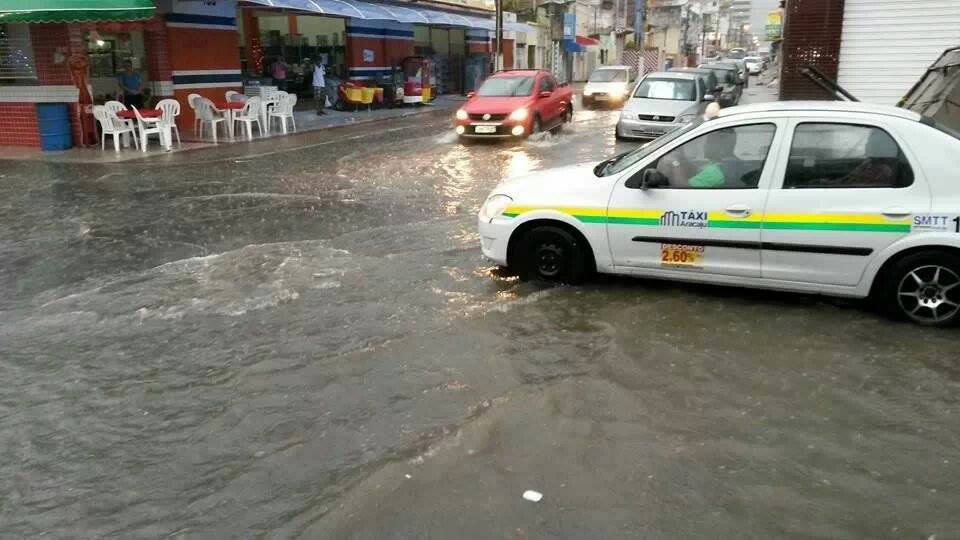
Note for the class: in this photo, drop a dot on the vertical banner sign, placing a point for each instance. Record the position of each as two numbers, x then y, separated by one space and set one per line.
774 26
569 26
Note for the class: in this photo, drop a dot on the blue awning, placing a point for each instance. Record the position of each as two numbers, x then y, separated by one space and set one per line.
359 9
572 46
337 8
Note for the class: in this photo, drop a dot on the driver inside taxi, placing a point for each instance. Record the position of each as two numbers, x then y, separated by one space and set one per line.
680 165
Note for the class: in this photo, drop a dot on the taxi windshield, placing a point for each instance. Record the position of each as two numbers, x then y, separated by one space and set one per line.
618 164
506 87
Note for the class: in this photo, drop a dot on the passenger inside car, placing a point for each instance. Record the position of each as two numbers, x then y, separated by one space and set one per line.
848 156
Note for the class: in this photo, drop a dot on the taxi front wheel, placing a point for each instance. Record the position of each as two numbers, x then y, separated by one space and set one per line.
923 288
551 254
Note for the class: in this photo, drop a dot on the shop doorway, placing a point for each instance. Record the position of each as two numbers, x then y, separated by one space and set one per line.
108 53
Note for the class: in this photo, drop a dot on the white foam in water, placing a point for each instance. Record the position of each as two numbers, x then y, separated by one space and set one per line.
446 138
522 301
544 139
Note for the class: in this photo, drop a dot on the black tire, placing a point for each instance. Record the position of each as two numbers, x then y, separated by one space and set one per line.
923 288
568 114
551 254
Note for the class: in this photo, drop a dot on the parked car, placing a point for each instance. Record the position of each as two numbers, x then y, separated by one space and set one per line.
515 103
709 78
662 102
839 198
741 69
608 85
754 64
730 87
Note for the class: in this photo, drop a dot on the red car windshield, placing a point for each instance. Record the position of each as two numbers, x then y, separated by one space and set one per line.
507 87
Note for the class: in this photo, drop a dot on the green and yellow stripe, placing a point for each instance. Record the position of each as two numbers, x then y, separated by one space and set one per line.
722 220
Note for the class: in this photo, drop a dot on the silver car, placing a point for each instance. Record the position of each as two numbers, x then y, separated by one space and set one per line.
662 102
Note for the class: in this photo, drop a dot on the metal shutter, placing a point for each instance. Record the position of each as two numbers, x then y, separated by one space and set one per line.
886 45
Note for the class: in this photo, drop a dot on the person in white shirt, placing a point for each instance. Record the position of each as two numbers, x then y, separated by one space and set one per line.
319 86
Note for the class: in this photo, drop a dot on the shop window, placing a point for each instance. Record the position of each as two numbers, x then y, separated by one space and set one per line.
16 53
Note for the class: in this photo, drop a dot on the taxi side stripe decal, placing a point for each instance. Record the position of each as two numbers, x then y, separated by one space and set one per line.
767 246
721 220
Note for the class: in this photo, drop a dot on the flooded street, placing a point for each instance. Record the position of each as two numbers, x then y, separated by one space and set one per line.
299 338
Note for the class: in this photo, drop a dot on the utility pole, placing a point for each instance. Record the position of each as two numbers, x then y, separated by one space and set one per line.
703 36
639 7
498 47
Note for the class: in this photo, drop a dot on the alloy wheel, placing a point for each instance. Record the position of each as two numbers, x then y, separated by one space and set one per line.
549 259
929 294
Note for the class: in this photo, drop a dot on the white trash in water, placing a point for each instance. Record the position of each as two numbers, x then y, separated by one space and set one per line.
532 496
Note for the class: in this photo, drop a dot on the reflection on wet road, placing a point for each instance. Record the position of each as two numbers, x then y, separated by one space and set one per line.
303 341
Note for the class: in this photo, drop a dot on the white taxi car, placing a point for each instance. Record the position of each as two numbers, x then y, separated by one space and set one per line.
837 198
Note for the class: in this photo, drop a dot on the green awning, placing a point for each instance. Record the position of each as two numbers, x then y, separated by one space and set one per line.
60 11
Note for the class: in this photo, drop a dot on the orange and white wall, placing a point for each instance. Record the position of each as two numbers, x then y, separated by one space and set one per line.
373 47
201 40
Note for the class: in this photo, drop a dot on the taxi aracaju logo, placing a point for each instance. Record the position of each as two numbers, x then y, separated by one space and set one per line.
684 218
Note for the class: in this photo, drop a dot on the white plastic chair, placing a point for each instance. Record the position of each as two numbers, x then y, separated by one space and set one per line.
284 110
249 114
111 125
233 95
113 107
207 114
148 126
192 102
168 120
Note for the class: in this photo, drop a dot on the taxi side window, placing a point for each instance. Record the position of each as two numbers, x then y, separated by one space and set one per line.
727 158
827 155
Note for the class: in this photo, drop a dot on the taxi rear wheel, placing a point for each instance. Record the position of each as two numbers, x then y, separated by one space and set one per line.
923 288
551 254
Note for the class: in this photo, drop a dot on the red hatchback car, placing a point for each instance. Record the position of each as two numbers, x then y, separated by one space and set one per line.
515 103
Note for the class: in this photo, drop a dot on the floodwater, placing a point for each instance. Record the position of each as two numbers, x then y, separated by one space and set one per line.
301 339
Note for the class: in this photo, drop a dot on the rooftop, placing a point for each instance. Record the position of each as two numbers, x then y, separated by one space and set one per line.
821 106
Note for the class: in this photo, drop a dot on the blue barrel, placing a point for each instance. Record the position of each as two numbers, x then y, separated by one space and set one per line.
53 119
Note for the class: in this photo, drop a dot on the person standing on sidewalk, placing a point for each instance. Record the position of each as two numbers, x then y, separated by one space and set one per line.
319 86
131 86
278 70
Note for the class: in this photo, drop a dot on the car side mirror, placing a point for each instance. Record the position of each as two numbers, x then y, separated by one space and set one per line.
545 94
647 179
471 94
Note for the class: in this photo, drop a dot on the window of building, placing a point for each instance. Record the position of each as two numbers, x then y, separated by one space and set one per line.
16 53
826 155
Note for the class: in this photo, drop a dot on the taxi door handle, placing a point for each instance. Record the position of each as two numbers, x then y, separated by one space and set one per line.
896 213
739 210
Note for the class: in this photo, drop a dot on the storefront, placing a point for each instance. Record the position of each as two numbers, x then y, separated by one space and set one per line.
53 58
375 38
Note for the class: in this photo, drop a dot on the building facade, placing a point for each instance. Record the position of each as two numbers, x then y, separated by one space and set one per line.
74 56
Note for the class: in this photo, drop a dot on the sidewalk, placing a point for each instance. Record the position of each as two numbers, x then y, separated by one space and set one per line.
755 93
306 119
